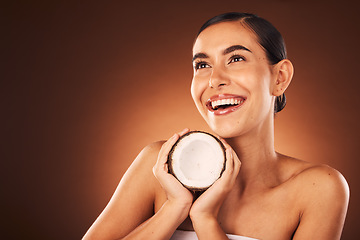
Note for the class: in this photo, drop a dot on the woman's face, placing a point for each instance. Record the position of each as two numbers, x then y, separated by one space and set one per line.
233 81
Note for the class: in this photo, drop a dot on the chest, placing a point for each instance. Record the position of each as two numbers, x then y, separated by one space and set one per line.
267 216
270 215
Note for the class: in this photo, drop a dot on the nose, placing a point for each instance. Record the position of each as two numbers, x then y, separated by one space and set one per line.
218 78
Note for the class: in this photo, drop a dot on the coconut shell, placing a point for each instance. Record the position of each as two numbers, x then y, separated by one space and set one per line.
171 153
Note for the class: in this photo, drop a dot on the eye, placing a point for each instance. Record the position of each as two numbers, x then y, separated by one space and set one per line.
236 58
200 65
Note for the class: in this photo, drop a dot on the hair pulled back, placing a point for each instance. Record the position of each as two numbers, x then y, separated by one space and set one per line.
267 35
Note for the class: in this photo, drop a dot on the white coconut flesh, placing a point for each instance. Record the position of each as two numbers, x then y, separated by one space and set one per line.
197 160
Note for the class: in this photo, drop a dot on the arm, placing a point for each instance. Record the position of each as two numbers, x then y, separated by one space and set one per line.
325 203
205 209
129 214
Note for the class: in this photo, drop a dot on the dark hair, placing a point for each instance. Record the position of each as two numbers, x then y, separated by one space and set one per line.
268 37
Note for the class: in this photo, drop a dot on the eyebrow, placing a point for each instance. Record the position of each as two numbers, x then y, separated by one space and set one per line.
234 48
226 51
200 55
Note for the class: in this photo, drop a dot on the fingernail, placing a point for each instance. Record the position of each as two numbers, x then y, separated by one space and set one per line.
185 130
229 151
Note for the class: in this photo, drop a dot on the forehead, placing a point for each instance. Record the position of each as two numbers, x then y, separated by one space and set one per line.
222 35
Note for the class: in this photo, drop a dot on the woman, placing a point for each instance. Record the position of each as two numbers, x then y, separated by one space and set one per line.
264 195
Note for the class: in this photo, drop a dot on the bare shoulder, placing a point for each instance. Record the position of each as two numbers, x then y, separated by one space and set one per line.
133 200
318 181
148 155
152 150
324 177
321 197
141 168
139 176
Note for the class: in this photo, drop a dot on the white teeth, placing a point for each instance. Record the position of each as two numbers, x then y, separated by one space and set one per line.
228 101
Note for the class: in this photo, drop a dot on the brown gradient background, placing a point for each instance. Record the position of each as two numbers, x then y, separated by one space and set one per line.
85 86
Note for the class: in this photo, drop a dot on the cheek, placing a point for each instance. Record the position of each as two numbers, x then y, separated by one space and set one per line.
262 92
197 90
259 81
193 90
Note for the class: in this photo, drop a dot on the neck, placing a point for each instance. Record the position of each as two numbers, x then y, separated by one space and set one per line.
256 152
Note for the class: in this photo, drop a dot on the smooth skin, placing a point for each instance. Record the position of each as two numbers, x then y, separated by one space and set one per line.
265 196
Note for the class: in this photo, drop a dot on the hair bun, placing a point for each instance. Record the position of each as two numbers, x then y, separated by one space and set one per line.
280 103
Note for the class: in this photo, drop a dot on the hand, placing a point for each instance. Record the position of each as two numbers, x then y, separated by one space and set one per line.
208 204
175 191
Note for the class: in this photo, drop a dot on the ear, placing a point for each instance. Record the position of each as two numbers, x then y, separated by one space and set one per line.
283 72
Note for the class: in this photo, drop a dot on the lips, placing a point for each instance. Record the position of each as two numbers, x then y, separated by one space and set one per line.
224 103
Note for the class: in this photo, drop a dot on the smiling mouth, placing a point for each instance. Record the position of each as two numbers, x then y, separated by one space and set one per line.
224 104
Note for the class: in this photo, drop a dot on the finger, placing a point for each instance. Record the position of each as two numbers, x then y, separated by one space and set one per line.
166 147
226 145
229 160
229 165
237 164
184 131
163 153
171 141
236 160
233 166
225 181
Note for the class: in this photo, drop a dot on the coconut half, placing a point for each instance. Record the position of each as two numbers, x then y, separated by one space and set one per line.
197 160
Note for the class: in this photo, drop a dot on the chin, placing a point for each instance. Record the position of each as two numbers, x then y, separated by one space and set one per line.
225 131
